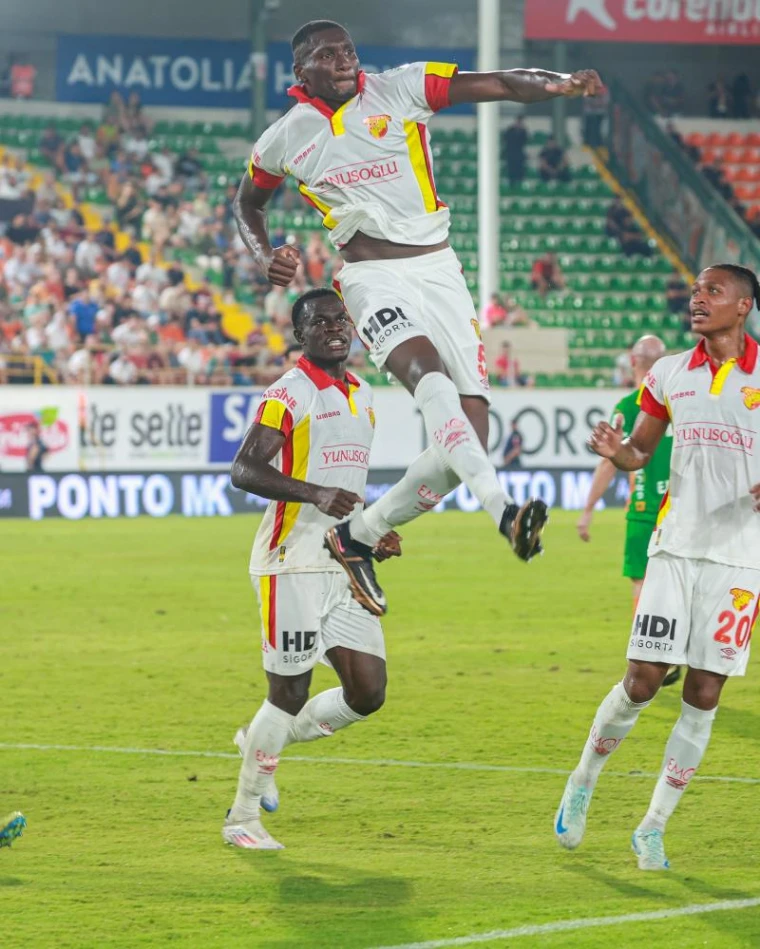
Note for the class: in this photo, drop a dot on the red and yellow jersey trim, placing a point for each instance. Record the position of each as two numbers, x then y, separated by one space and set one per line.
651 406
295 464
274 414
416 143
319 205
438 78
268 597
263 179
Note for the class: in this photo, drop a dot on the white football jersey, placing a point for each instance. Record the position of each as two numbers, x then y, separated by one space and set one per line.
328 426
366 166
707 513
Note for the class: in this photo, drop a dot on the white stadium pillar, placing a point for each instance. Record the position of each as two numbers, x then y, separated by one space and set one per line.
489 31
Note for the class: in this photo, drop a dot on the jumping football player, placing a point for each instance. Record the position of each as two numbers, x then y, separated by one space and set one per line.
701 592
648 484
11 827
308 451
359 147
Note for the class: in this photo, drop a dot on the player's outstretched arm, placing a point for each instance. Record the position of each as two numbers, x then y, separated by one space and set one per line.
252 472
522 85
278 266
632 453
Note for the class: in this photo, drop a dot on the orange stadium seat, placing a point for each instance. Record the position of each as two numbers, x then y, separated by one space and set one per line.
734 139
747 174
711 155
752 139
731 173
697 139
715 139
745 193
751 156
733 156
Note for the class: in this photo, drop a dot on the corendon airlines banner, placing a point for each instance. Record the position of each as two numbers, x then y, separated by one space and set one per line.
644 21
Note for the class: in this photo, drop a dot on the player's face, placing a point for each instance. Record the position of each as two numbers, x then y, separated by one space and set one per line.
326 332
717 303
330 67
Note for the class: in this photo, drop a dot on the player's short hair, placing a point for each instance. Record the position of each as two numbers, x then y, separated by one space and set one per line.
745 276
298 314
302 35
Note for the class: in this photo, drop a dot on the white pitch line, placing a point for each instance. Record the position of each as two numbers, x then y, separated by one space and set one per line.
363 762
568 925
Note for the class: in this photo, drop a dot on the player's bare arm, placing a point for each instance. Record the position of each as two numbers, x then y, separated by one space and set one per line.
252 472
628 454
522 85
249 207
605 472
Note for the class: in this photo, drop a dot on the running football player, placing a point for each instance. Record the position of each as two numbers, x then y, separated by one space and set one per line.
701 592
308 451
359 147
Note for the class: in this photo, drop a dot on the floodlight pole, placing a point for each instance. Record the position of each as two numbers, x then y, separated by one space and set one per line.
489 29
259 11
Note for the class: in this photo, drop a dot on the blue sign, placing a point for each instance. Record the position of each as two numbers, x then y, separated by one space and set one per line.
201 73
231 417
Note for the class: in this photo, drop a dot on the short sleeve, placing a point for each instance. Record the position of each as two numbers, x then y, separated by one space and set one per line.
419 90
653 398
266 163
284 404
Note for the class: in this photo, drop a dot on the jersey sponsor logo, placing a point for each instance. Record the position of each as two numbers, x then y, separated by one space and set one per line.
344 456
741 598
715 436
751 397
377 125
383 324
688 394
363 172
325 415
280 394
304 153
676 776
298 640
728 652
15 437
650 382
654 633
453 433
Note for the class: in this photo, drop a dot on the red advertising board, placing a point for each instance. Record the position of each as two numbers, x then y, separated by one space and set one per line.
644 21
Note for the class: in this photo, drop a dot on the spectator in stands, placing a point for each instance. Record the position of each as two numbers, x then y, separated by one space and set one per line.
51 145
547 275
741 96
677 293
719 99
494 313
189 167
508 368
514 140
552 162
136 143
620 224
113 111
133 116
653 93
36 449
512 457
87 144
672 94
595 110
84 309
129 207
121 370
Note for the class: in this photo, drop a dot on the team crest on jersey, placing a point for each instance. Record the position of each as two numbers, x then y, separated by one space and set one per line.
371 415
377 125
751 397
742 598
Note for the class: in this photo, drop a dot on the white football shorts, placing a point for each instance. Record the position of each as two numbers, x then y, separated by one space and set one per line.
305 614
696 613
391 301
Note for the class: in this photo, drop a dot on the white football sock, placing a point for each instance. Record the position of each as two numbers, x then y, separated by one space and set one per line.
426 482
323 715
683 754
452 435
264 740
614 718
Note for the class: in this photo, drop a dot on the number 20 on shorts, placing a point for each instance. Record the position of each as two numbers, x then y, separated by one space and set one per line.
728 625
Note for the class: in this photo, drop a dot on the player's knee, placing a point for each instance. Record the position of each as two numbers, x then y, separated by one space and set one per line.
289 693
640 687
703 694
367 700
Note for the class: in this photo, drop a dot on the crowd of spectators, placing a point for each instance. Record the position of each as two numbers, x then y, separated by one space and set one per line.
99 310
665 96
552 163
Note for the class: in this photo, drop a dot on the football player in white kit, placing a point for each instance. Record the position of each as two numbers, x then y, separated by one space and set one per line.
308 451
359 146
701 591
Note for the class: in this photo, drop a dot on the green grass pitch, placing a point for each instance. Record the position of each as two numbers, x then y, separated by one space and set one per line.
142 634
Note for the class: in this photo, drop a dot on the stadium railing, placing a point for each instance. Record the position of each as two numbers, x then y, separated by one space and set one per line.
678 201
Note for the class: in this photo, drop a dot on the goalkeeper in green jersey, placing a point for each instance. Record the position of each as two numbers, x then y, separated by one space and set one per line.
648 485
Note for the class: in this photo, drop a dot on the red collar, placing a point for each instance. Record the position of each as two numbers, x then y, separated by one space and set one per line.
747 363
301 95
323 381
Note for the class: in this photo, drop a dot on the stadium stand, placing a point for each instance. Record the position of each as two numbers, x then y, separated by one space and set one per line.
162 291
